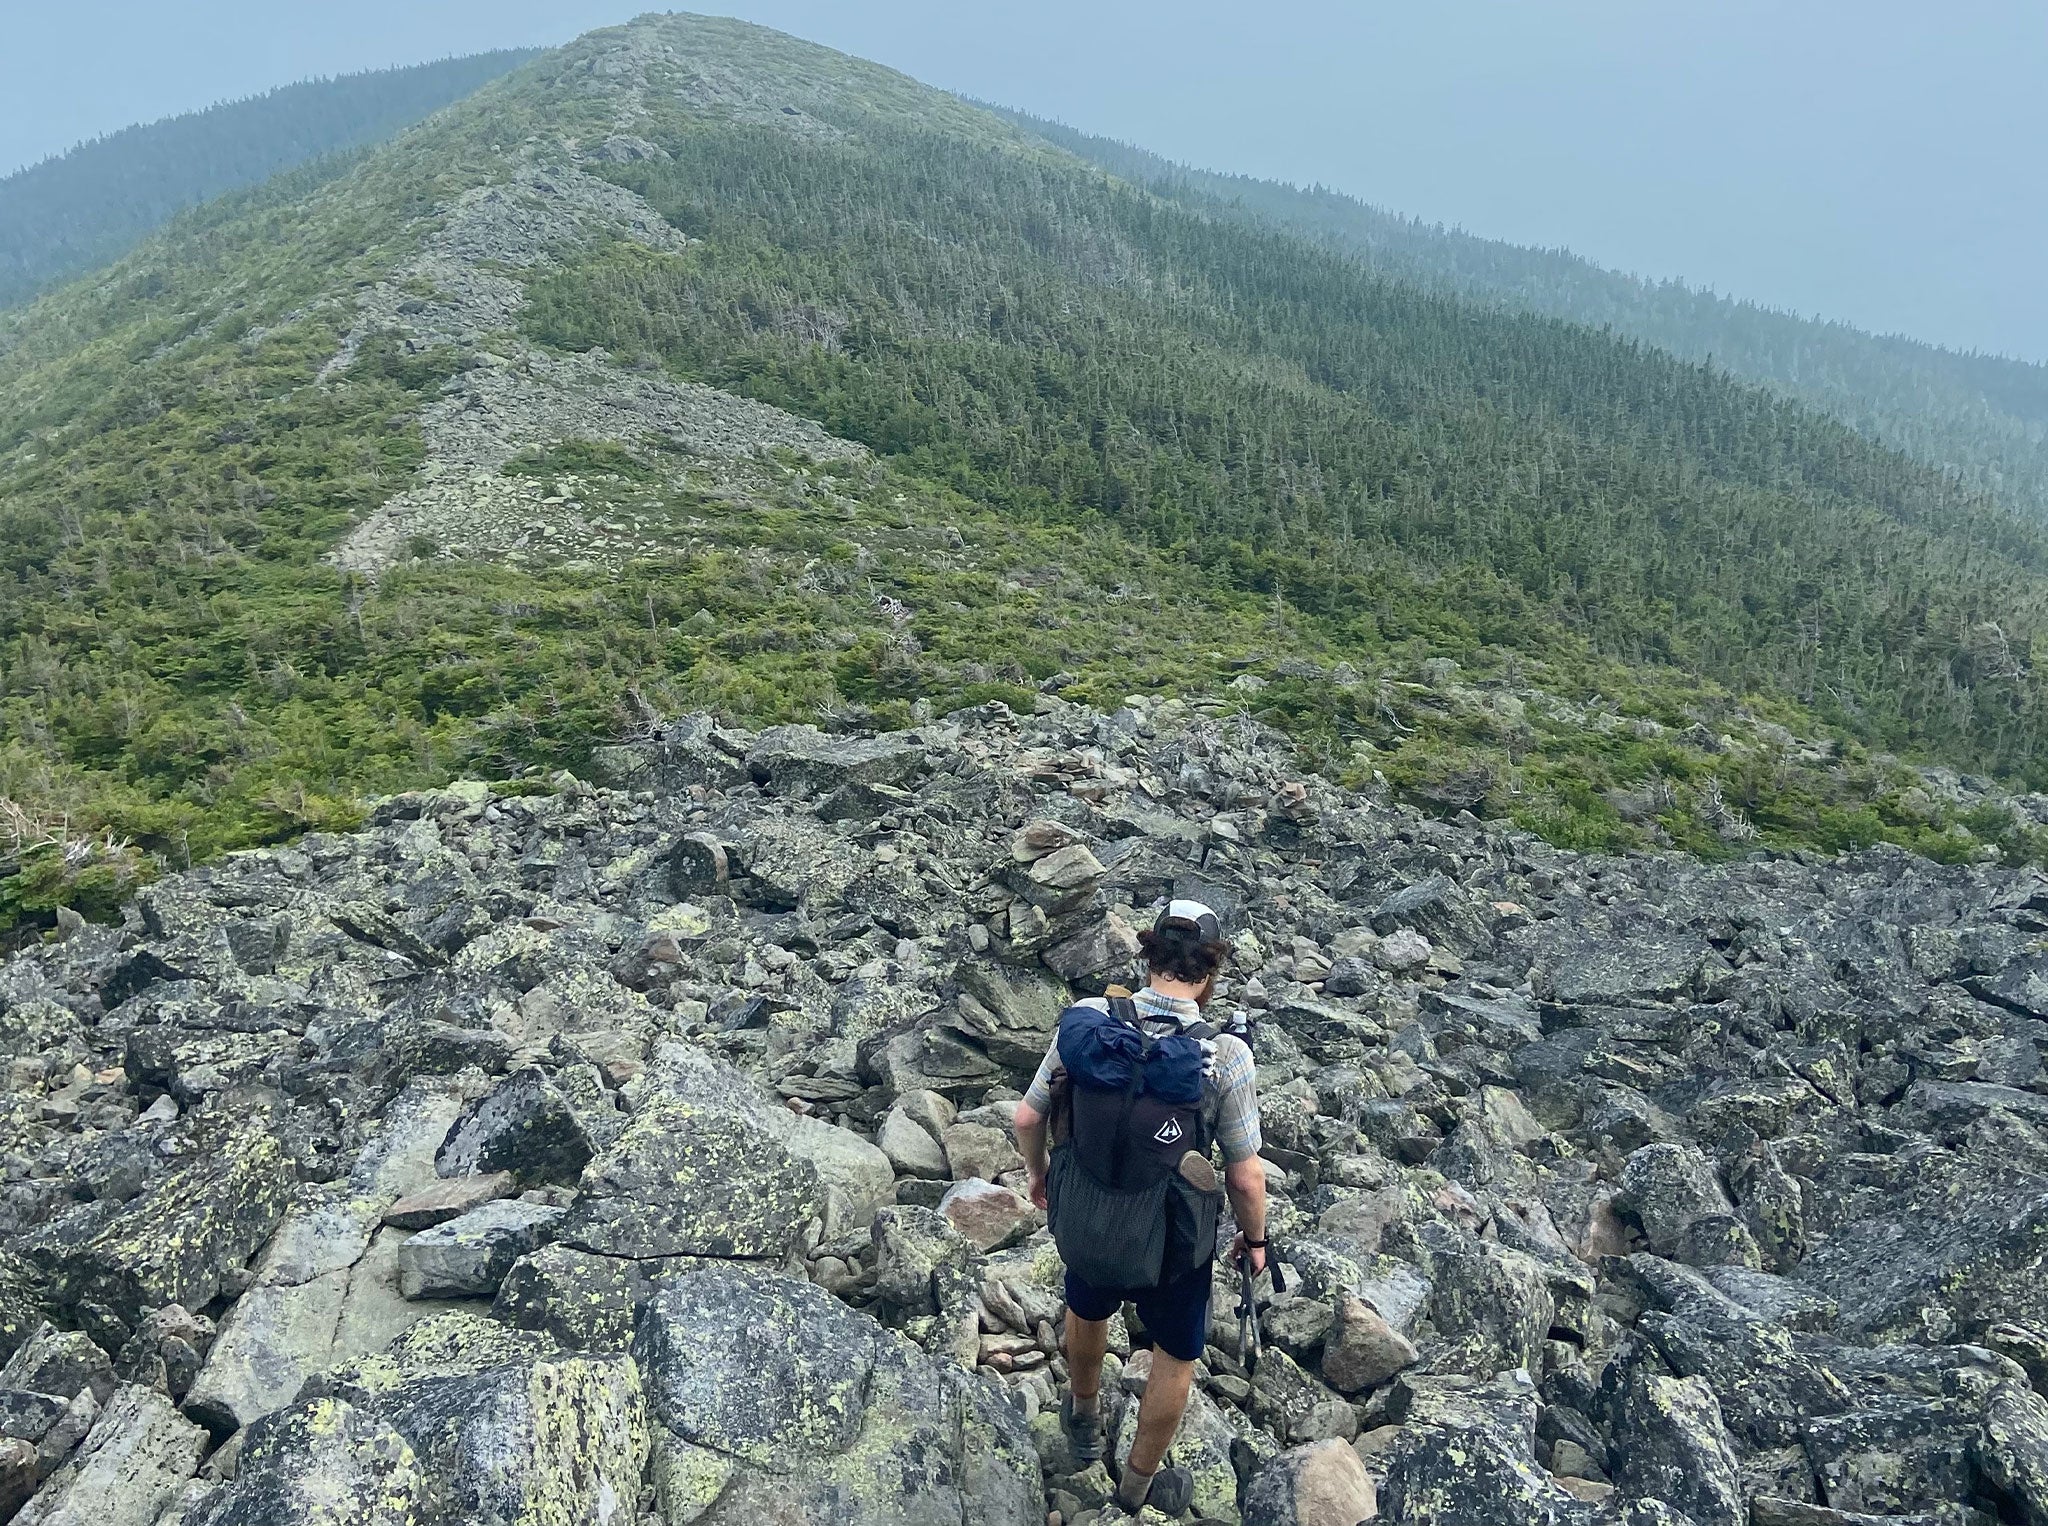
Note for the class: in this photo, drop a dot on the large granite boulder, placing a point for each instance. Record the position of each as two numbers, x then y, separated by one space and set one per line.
176 1242
504 1427
686 1179
772 1396
583 1301
801 760
524 1126
325 1462
129 1468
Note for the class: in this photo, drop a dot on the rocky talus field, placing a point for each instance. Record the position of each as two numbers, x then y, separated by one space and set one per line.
641 1154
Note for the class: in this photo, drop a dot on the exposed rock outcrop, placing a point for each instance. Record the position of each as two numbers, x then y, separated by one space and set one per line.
598 1155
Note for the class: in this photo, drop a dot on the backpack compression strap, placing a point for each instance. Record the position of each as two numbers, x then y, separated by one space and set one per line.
1124 1008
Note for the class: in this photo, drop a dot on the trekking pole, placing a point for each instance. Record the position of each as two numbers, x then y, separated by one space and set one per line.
1250 1341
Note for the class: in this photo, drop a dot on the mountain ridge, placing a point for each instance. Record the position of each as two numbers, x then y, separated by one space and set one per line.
76 210
1884 385
694 365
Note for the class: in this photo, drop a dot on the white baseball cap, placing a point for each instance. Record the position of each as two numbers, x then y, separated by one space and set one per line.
1191 914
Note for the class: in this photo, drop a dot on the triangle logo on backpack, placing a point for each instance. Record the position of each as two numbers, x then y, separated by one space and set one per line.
1169 1132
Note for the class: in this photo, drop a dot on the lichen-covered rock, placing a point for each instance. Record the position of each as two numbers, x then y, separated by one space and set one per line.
910 1148
24 1302
855 1173
1321 1484
469 1256
166 1350
1685 1213
1012 1010
1767 1387
771 1390
2014 1449
1204 1445
1469 1460
456 1343
1670 1445
688 1180
756 1366
321 1463
1654 968
28 1416
1492 1306
802 760
923 1265
1282 1394
1542 1064
1897 1455
559 1439
61 1363
277 1336
177 1241
131 1465
584 1301
506 1429
1956 1243
524 1126
273 1339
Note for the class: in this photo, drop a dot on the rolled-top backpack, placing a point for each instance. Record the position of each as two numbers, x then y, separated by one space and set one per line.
1128 1108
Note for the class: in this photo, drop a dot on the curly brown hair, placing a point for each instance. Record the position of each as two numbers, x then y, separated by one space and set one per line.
1179 953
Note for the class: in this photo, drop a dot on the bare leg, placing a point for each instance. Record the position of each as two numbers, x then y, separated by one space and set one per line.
1087 1340
1159 1412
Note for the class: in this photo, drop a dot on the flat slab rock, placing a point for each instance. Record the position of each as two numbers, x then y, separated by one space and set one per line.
447 1200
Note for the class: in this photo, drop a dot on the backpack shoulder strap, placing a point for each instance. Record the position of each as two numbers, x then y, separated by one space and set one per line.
1123 1009
1212 1094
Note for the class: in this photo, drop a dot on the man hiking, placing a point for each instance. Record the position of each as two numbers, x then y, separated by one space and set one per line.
1136 1091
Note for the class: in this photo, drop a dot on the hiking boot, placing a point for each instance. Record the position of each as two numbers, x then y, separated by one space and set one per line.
1198 1171
1084 1432
1171 1491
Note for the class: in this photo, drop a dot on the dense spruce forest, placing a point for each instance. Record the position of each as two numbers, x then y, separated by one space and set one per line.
1982 416
1054 344
1502 562
81 209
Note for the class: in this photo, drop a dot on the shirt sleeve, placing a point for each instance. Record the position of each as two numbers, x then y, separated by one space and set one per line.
1038 1095
1237 1115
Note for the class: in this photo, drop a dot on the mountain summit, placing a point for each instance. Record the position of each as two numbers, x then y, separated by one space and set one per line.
696 365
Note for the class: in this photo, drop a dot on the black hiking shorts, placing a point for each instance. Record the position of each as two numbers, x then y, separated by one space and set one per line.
1175 1314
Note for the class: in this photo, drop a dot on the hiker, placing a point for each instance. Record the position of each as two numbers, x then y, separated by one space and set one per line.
1137 1091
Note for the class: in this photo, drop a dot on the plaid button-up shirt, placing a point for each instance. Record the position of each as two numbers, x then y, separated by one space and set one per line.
1235 1075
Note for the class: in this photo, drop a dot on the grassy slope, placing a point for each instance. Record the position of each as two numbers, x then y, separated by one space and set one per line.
178 667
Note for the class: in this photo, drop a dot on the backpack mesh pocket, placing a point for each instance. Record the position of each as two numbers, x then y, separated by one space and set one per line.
1192 1217
1110 1239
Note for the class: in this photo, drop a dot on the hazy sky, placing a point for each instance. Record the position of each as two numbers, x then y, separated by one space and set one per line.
1881 161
